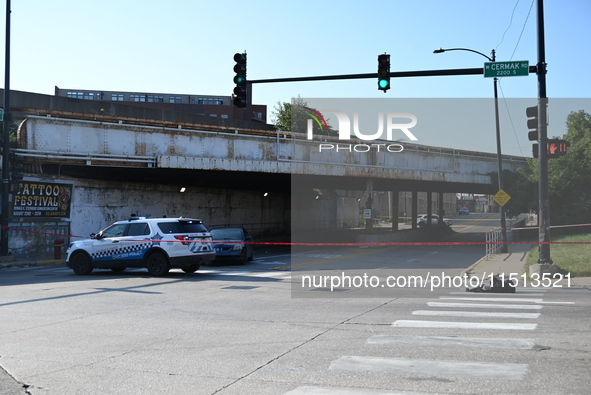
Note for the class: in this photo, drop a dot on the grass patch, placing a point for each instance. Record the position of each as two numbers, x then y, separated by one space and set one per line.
571 258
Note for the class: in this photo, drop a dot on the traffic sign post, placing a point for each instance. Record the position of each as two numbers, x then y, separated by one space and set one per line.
506 69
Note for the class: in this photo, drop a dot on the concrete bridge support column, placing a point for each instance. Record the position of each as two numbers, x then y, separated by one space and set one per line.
394 209
440 208
333 209
415 201
369 204
429 207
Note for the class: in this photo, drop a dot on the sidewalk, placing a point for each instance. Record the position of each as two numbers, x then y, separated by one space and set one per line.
41 260
513 262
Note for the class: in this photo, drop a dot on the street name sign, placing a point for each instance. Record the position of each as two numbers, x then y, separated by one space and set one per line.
506 69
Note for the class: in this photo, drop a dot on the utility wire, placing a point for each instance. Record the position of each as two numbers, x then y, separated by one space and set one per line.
508 27
513 54
510 119
522 29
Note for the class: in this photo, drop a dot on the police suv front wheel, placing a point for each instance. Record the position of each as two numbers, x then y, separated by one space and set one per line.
81 264
157 264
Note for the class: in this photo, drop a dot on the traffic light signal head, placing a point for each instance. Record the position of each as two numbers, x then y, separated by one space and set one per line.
532 123
17 166
384 72
240 99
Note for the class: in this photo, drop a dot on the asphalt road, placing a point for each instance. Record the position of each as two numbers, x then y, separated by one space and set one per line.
253 329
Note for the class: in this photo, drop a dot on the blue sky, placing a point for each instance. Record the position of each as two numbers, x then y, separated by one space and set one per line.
183 46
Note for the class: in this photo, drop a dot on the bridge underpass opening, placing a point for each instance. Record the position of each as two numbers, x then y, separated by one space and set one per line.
353 152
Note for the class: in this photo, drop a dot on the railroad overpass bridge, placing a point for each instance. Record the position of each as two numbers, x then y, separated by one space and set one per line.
77 146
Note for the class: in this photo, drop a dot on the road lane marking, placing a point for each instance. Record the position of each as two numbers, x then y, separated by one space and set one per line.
464 325
446 341
245 273
487 305
474 314
479 220
486 370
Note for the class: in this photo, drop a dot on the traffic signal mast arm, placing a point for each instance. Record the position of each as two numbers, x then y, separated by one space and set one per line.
394 74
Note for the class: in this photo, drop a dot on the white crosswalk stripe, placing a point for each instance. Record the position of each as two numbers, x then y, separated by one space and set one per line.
502 299
448 341
313 390
474 314
504 371
486 305
463 325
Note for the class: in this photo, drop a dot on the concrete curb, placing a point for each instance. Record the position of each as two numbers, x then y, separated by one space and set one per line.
473 266
8 263
50 262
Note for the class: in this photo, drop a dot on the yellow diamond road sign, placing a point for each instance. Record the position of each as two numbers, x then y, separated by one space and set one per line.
501 197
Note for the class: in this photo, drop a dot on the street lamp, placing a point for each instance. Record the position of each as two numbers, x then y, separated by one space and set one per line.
498 130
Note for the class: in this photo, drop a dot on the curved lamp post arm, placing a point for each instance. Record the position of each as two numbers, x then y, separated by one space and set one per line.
441 50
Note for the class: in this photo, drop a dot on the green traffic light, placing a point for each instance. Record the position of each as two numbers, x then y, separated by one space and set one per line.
384 84
239 80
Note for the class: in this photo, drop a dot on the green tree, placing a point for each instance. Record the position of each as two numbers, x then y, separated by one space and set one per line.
522 189
282 116
569 178
294 117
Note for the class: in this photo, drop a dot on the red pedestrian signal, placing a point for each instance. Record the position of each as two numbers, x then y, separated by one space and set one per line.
557 148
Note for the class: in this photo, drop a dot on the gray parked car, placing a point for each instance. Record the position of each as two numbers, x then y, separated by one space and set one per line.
232 244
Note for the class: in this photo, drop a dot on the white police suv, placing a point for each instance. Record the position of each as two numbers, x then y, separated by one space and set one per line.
157 244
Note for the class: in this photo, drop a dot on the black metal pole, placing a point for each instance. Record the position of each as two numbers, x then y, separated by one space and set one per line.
544 203
6 141
499 162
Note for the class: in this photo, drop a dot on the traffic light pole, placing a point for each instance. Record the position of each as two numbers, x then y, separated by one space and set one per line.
500 165
6 141
544 200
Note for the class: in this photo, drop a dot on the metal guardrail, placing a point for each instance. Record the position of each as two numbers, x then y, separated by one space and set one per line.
149 161
493 240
